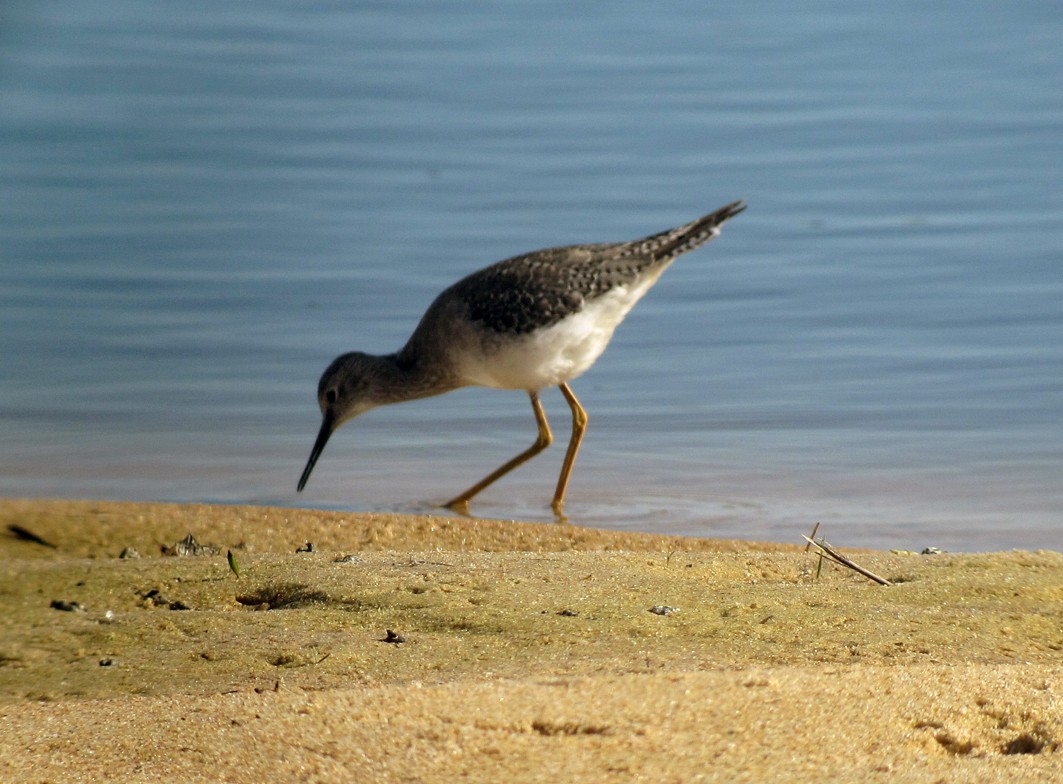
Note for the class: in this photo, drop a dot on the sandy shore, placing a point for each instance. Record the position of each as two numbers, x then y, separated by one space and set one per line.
516 652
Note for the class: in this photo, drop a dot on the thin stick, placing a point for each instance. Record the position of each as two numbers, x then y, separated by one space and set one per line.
811 536
840 559
819 559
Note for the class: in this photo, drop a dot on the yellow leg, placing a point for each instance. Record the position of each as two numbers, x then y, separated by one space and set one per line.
543 440
579 427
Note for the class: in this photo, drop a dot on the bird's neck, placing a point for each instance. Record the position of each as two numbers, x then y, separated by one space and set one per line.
406 376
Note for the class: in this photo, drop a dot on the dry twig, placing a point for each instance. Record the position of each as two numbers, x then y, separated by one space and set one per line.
827 551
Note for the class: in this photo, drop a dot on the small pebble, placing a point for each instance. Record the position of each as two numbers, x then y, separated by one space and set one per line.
190 546
59 604
663 609
154 598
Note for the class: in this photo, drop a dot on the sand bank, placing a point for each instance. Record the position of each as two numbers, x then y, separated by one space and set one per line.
516 651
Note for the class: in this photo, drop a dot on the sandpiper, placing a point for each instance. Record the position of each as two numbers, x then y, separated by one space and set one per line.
529 322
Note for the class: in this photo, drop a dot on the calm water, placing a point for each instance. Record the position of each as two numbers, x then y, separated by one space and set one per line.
201 205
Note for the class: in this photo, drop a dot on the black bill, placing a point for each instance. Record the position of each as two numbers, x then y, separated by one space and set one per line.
319 447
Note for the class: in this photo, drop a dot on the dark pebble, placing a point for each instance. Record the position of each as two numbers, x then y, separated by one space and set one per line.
58 604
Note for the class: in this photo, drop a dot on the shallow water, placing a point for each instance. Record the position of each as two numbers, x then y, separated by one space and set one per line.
201 209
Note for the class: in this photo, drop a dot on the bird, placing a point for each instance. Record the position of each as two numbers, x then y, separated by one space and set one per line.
527 323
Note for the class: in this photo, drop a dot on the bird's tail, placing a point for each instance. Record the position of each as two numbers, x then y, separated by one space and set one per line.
666 245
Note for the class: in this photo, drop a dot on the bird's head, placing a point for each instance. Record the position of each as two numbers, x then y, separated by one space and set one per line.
346 390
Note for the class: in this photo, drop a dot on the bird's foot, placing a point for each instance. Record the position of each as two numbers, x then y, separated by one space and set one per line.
559 511
459 505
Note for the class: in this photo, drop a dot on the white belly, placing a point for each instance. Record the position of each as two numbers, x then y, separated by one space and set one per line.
556 354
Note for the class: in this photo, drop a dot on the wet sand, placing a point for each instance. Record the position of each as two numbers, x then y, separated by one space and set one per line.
516 651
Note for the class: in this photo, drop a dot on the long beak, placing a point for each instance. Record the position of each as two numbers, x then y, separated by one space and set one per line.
319 446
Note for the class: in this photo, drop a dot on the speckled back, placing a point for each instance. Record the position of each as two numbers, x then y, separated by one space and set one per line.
535 290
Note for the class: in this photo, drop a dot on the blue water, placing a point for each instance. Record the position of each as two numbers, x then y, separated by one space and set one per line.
201 205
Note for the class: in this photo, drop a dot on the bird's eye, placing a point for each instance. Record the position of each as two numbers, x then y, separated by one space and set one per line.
331 395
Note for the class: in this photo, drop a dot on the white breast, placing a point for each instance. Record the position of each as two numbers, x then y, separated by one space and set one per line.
555 354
